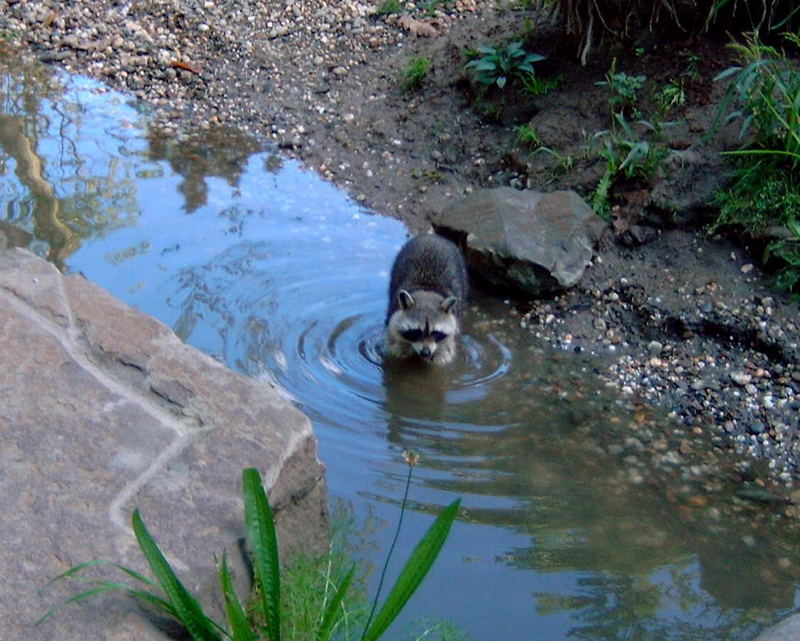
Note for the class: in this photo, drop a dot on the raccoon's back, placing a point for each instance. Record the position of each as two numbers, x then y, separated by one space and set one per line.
432 263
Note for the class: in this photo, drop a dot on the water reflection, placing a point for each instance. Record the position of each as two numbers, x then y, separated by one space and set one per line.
70 183
567 531
220 152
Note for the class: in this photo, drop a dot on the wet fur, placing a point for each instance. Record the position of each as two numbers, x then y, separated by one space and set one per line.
427 292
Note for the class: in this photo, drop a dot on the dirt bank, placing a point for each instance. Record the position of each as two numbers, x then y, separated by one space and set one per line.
685 320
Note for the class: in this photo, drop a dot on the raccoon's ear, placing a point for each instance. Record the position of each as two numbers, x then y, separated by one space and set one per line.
405 300
448 304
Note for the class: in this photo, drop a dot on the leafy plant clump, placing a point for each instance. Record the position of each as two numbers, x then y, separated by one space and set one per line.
498 64
764 97
632 147
262 617
624 90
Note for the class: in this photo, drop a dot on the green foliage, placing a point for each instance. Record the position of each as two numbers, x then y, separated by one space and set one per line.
415 72
526 135
764 96
672 95
761 194
624 90
788 251
263 617
692 61
260 530
495 65
764 194
414 571
390 6
627 154
535 86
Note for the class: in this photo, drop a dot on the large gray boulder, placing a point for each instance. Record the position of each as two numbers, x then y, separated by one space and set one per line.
525 241
104 409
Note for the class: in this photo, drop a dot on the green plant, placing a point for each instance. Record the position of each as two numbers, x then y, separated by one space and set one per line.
624 90
390 6
526 135
788 251
534 86
692 62
500 63
261 619
627 154
415 72
765 195
764 96
672 95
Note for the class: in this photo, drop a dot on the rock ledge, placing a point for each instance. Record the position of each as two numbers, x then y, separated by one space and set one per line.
105 409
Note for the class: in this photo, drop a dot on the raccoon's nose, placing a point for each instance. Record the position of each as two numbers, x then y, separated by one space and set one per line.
426 351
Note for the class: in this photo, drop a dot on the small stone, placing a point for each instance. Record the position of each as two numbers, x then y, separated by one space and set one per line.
741 378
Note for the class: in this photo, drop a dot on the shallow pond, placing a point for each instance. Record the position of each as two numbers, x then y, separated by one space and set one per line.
258 262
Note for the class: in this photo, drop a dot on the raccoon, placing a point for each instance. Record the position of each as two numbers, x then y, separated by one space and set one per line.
427 293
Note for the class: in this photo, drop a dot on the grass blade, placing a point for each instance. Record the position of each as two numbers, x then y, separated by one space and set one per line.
73 599
106 586
329 618
190 613
414 571
260 528
237 618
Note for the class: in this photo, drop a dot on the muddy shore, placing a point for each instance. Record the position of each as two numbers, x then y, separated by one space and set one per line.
683 320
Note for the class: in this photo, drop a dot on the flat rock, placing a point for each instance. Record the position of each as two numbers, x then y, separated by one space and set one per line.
524 241
104 410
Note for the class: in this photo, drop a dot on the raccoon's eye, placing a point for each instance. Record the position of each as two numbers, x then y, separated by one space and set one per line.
438 336
412 335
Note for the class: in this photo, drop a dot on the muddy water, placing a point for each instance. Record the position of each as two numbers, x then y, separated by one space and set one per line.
565 533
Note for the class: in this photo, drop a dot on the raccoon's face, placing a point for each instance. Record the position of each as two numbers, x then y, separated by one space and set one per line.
425 324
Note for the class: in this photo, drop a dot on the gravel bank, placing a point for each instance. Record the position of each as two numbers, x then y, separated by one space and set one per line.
683 321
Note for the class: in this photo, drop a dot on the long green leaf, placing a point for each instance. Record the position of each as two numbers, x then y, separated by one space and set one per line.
260 528
329 618
762 152
414 571
239 624
190 613
107 586
73 573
